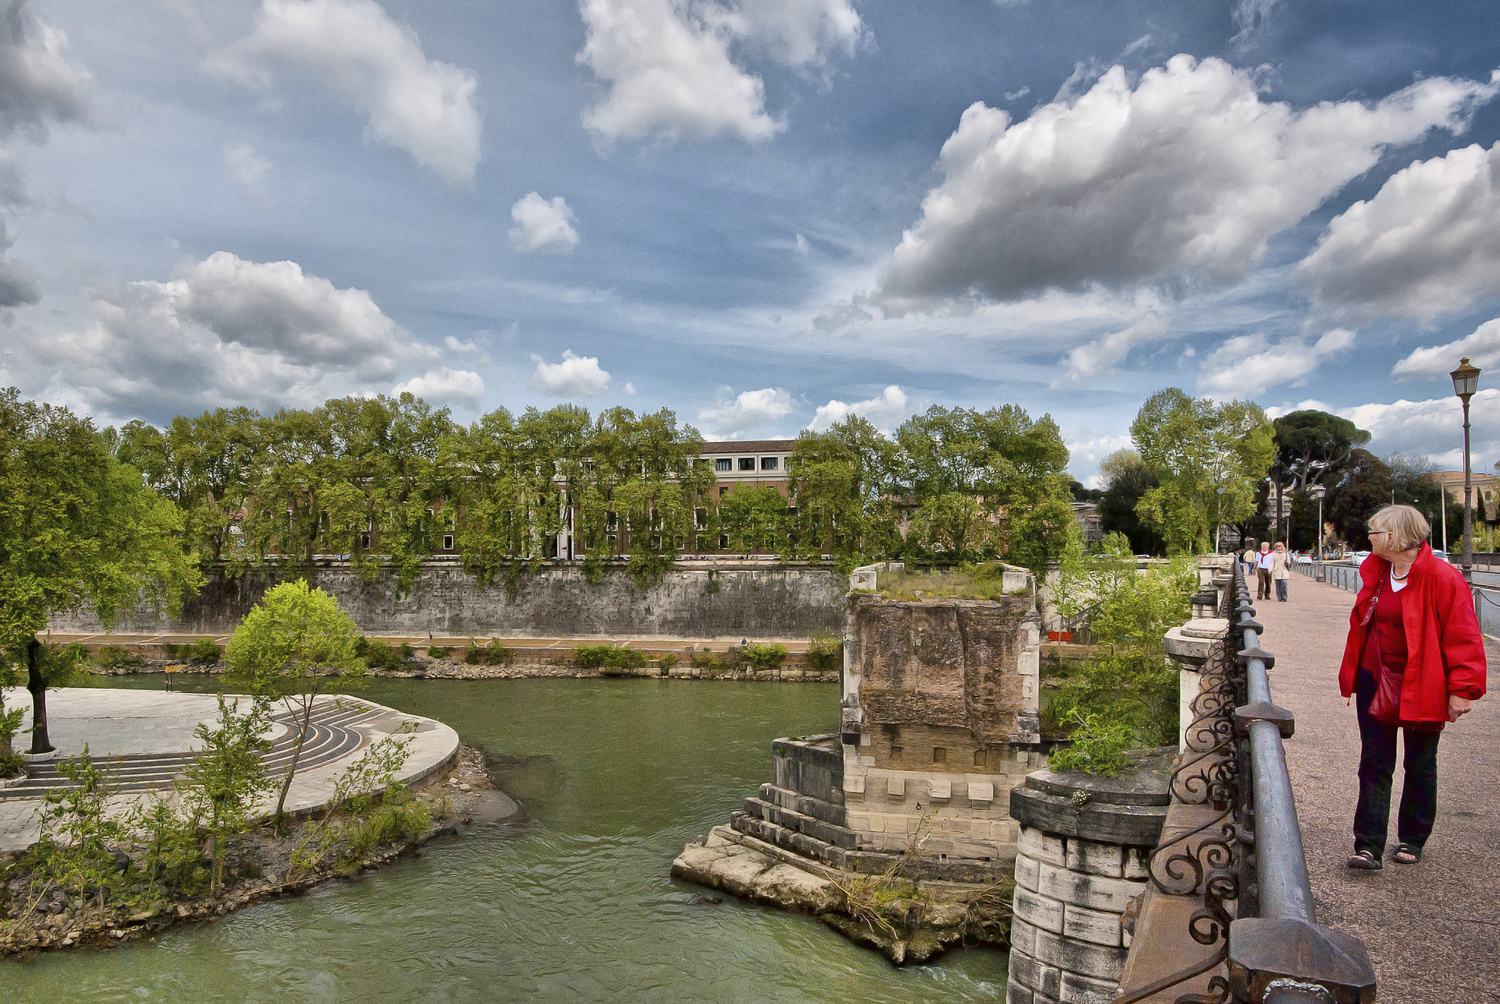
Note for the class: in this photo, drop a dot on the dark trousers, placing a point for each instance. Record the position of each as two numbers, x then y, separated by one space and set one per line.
1377 762
1281 589
1263 583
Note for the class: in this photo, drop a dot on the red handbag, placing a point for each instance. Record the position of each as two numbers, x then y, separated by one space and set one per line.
1385 706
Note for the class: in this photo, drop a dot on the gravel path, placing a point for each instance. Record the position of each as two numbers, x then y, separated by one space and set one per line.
1432 929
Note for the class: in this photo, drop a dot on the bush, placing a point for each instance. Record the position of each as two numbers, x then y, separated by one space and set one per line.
203 652
708 662
438 652
114 657
378 655
493 654
763 657
1098 747
1139 691
667 660
825 652
608 657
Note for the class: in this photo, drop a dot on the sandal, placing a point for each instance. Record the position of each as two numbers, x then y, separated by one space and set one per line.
1407 854
1365 861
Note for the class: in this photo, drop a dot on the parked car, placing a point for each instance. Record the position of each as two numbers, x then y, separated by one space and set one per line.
1302 559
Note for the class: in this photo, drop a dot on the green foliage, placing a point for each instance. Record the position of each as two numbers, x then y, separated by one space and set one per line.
367 809
1098 747
1128 481
757 519
439 651
667 660
824 652
766 656
608 657
493 654
203 652
708 662
114 657
290 648
74 852
378 655
224 782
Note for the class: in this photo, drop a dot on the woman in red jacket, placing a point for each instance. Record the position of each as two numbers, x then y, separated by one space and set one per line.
1415 614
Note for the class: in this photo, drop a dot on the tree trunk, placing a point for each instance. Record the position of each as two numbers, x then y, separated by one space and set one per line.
291 768
38 687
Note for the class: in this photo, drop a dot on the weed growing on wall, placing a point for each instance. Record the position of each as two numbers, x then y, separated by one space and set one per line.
765 657
493 654
608 657
825 652
1098 746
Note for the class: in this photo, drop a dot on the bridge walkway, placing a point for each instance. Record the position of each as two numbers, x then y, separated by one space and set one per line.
1432 929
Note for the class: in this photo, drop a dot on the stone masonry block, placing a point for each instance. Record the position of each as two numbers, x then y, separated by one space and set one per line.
895 786
1042 846
1098 961
939 790
1098 926
1026 872
1097 892
854 784
1096 858
1137 862
1041 978
1083 990
981 793
1022 937
1017 994
1039 911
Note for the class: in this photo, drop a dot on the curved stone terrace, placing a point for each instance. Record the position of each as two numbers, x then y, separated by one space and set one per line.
142 739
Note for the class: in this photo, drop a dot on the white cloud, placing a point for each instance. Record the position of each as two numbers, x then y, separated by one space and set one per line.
1427 244
1250 17
885 411
221 332
1431 428
376 66
248 170
575 376
1100 357
543 225
1248 365
445 386
1482 347
1311 404
750 409
1179 178
1085 455
668 71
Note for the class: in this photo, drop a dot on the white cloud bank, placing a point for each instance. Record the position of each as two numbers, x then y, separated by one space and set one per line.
1482 347
668 70
1178 178
885 411
1432 428
750 409
543 225
376 66
1248 365
1427 244
575 376
445 386
222 332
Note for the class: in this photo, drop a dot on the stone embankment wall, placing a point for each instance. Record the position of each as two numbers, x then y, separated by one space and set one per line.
721 599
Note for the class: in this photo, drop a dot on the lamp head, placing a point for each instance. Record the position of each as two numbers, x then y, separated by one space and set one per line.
1465 380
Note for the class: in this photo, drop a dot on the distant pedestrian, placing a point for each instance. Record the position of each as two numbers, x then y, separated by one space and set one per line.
1248 560
1281 570
1263 561
1414 661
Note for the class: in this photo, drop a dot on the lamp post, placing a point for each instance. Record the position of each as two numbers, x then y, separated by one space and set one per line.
1465 383
1316 491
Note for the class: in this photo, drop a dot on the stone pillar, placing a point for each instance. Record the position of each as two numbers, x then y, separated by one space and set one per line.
1085 845
1189 646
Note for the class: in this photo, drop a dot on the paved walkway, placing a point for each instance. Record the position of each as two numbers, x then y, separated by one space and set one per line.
1432 929
153 730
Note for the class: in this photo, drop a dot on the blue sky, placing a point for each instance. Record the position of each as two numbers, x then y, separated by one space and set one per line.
763 214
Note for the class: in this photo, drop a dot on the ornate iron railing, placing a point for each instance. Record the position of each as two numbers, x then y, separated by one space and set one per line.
1244 863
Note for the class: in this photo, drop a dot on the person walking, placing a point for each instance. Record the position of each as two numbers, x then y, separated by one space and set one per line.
1248 560
1281 570
1413 662
1263 571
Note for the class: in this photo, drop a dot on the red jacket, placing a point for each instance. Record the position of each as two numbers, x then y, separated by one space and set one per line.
1444 649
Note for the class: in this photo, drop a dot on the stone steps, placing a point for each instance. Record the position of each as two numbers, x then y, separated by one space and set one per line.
796 801
828 833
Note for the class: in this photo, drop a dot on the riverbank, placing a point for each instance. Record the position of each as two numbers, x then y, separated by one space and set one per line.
263 864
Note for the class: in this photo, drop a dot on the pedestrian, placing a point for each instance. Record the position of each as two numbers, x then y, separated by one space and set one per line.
1414 661
1263 571
1281 570
1248 560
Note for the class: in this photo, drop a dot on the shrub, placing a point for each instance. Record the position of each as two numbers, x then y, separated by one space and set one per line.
493 654
114 657
608 657
1098 747
825 652
765 657
667 660
438 652
378 655
708 662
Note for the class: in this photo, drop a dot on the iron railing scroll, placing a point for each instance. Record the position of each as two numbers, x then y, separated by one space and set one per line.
1244 861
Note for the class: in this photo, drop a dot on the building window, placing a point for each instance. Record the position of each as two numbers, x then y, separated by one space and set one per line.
612 542
723 464
430 514
447 541
701 544
896 752
939 754
747 463
364 541
979 758
656 542
700 519
611 521
769 463
723 541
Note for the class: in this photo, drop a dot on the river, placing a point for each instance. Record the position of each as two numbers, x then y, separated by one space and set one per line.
575 904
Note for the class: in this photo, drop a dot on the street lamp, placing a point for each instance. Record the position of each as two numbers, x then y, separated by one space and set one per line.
1465 383
1316 491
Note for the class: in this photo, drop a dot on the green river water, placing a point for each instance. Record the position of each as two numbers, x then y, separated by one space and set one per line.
574 904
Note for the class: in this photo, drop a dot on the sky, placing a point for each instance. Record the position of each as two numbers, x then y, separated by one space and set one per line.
763 214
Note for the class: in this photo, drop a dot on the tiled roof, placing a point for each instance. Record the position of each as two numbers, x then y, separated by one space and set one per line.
751 446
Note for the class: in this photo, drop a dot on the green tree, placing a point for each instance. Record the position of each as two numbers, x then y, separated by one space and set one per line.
225 780
291 648
843 485
1208 458
757 518
1127 481
78 530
